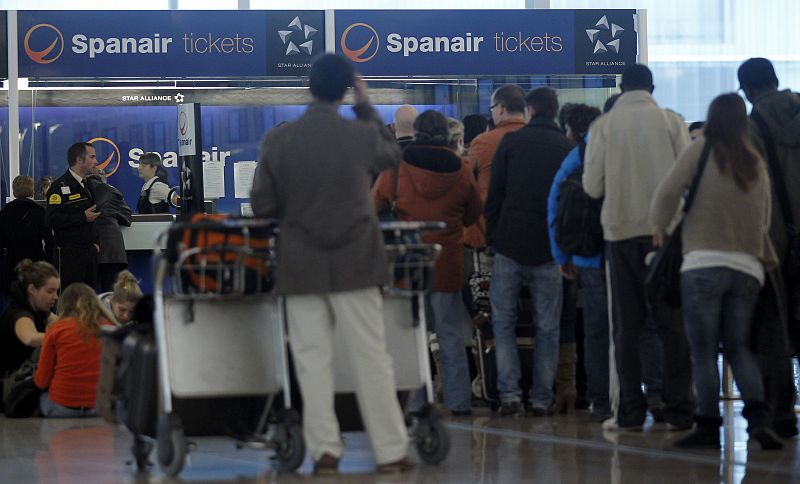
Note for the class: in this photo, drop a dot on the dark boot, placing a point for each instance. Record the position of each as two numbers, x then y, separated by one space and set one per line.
705 435
565 379
758 425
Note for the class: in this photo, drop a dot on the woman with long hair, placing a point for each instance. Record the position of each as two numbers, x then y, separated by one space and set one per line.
69 365
726 251
23 322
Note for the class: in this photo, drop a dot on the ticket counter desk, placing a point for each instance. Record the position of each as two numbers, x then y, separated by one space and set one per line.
140 238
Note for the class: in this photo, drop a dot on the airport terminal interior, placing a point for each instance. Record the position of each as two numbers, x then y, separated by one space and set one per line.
124 75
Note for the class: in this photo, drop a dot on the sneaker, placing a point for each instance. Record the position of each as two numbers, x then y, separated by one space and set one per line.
326 466
397 467
767 437
508 409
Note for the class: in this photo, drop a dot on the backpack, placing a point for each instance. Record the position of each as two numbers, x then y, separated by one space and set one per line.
577 223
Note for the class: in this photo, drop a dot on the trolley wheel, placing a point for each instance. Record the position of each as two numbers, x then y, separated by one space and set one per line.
141 452
290 448
432 439
171 445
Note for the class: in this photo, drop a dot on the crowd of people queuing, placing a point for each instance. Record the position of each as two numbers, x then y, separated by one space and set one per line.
639 161
497 184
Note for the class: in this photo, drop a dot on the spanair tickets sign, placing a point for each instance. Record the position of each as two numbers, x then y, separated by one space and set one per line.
487 42
93 44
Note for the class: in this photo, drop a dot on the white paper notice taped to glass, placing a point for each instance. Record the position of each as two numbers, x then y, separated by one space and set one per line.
243 174
213 179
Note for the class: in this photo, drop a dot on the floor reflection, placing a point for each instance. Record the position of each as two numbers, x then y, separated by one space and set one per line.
485 449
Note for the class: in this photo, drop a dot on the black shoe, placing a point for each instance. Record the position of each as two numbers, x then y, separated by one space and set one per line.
508 409
680 424
767 438
657 411
599 417
705 436
786 431
460 413
539 412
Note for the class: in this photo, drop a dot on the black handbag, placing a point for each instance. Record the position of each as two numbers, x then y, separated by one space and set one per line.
662 283
20 393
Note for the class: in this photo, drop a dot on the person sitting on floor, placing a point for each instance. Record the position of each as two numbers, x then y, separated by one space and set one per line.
122 301
69 365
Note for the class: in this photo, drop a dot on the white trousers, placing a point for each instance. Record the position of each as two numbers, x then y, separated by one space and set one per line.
358 317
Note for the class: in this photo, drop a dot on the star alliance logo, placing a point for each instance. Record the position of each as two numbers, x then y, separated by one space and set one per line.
179 98
288 38
595 33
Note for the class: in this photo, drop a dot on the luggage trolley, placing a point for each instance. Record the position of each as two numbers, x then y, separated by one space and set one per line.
219 333
411 266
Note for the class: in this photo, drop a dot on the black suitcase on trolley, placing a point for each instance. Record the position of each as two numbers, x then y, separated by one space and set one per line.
486 357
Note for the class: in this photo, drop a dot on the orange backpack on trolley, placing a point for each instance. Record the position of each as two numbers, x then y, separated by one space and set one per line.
219 258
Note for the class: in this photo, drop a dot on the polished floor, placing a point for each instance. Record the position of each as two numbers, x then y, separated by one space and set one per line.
485 449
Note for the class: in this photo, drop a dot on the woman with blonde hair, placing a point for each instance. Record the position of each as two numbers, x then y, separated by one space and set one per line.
122 301
69 364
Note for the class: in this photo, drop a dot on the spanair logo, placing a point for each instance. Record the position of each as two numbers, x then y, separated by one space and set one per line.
106 147
602 30
366 39
289 37
45 34
183 121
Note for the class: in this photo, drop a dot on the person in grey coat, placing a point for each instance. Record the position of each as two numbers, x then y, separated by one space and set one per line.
314 177
114 212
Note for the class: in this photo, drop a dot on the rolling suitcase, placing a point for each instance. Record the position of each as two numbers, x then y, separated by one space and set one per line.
486 357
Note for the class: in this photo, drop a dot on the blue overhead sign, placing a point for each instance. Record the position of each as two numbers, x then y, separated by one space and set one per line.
487 42
167 43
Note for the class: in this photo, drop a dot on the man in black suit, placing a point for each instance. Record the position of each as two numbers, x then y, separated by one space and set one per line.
71 213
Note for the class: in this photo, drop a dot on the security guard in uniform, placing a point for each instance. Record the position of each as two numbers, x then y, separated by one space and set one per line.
71 213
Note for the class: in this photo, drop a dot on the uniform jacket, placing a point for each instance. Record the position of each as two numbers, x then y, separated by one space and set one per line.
435 185
631 148
314 176
113 213
481 152
67 200
522 171
23 235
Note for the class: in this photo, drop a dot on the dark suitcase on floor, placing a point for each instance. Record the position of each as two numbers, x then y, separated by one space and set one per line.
140 383
485 353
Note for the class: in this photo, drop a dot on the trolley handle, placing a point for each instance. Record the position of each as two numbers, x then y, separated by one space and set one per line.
412 226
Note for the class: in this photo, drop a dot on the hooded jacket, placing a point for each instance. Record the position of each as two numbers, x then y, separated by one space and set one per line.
781 112
434 184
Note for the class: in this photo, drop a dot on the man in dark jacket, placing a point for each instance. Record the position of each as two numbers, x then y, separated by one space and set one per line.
516 229
314 176
71 213
114 212
776 129
23 234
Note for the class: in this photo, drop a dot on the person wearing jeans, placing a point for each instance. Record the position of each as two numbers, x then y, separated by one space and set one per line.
51 409
544 283
434 184
726 251
516 230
